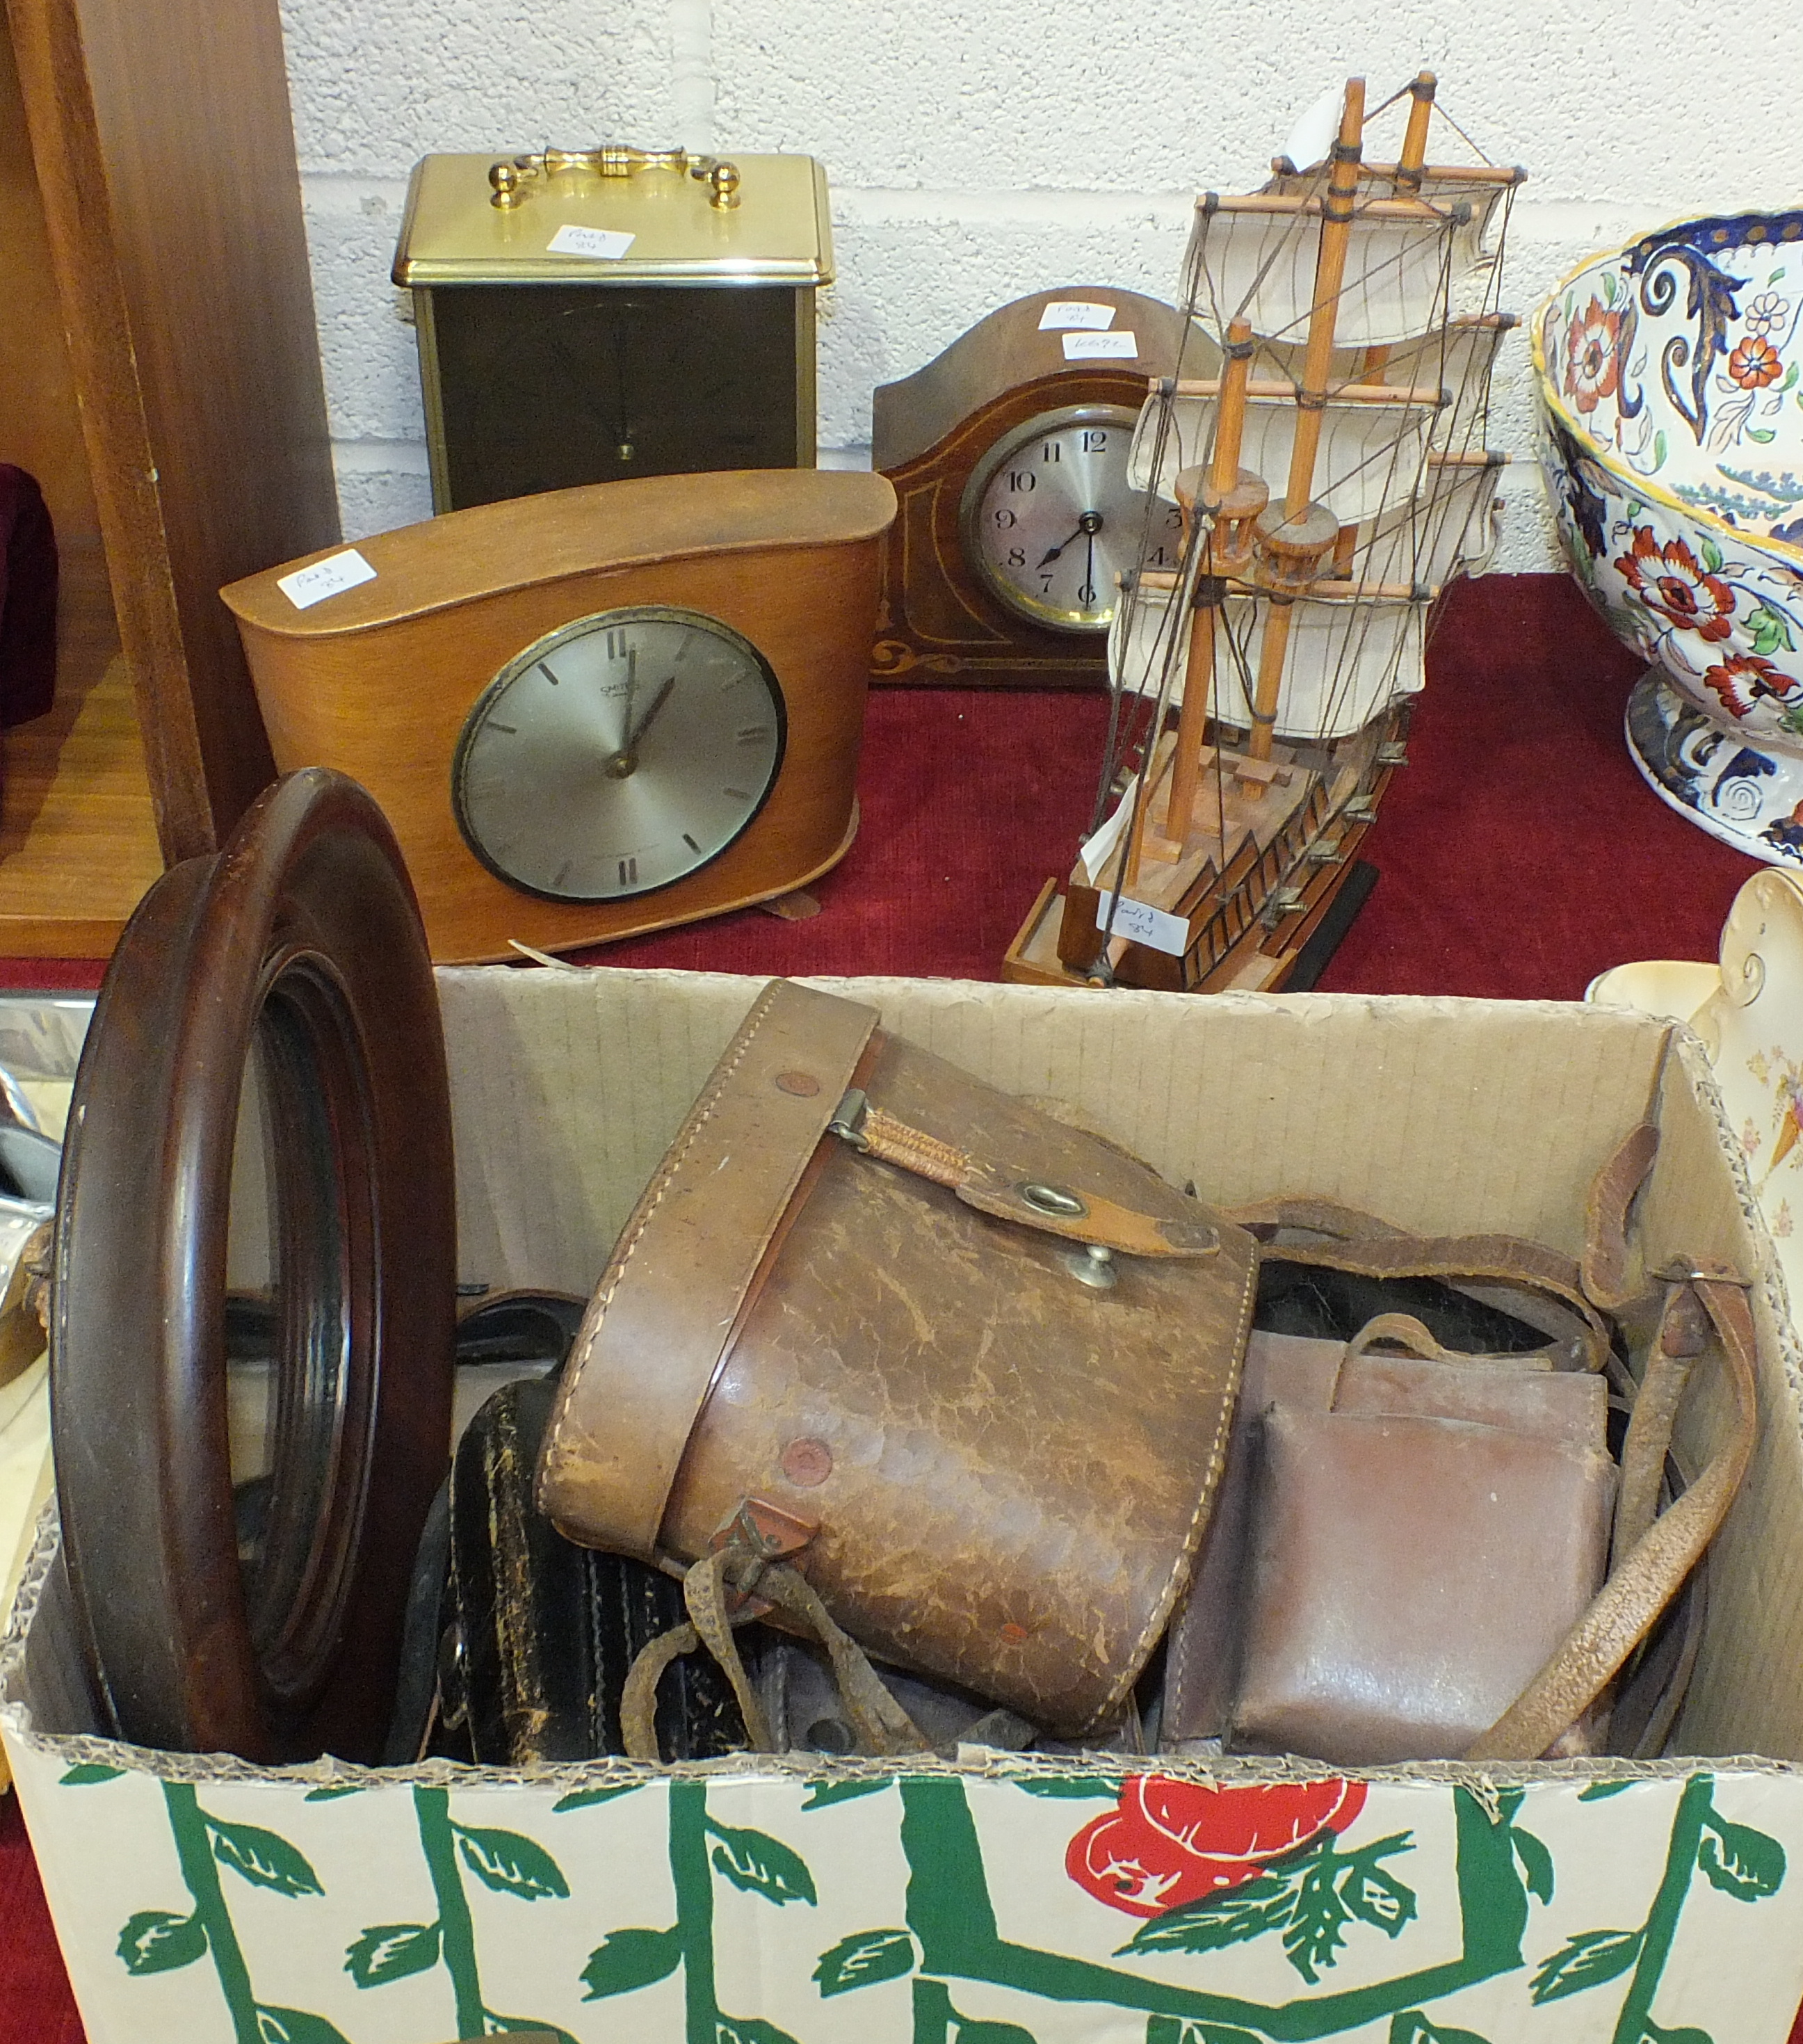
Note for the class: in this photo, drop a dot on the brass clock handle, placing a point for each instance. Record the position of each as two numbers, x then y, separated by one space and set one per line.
513 179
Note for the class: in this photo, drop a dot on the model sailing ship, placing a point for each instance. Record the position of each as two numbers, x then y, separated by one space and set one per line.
1316 477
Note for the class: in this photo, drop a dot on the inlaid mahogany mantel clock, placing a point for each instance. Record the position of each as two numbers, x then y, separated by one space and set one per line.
1008 453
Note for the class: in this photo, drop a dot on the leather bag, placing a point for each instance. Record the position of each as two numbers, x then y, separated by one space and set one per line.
1430 1557
541 1632
1425 1533
971 1367
1399 1543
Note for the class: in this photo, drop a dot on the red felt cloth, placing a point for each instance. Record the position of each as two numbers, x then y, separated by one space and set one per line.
1520 854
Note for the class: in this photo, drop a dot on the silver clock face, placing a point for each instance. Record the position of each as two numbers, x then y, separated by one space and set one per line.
618 753
1048 518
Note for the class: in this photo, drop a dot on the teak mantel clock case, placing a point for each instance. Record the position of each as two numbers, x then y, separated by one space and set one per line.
597 712
1010 463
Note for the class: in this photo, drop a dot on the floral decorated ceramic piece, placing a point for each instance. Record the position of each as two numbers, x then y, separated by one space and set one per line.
1754 1030
1749 1016
1669 377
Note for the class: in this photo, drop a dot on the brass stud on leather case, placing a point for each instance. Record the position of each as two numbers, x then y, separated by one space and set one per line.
807 1463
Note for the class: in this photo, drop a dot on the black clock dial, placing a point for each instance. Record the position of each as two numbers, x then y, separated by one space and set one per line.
1050 518
619 754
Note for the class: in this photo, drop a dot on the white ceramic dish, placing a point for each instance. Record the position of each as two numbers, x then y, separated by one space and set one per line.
1669 374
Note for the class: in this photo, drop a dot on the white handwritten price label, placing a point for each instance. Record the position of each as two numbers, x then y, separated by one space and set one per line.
1075 312
1120 916
1121 345
600 245
337 572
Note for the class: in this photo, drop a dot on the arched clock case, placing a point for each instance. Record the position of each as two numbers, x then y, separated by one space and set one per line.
1002 427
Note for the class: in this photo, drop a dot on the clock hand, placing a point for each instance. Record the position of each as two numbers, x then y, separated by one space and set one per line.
632 695
1089 568
625 762
644 723
1090 522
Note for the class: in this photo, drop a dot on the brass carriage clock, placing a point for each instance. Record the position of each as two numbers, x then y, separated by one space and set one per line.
586 315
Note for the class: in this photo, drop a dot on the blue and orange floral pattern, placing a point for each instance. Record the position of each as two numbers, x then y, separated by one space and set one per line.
1671 377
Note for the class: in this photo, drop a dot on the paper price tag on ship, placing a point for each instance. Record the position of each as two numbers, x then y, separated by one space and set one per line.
1120 916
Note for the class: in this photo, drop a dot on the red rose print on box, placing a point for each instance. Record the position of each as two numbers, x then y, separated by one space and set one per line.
1172 1843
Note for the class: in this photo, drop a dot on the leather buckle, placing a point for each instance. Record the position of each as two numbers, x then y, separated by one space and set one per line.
762 1532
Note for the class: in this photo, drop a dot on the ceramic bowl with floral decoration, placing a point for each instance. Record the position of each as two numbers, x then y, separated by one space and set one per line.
1670 379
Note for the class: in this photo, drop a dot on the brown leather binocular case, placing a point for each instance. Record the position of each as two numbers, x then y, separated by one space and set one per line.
972 1367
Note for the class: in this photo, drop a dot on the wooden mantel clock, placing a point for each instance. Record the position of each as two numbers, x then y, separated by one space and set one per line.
1008 453
593 713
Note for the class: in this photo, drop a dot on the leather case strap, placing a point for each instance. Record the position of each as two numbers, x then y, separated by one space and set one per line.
671 1293
1075 1213
1536 1283
1655 1568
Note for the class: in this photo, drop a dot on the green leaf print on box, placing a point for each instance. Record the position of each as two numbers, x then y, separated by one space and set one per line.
1734 1858
263 1859
392 1951
1204 1869
1309 1896
862 1960
158 1941
508 1863
762 1866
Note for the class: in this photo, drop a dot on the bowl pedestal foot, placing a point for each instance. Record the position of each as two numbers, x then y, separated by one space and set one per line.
1727 781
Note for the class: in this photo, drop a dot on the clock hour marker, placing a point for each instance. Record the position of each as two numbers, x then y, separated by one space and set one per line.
738 794
629 873
512 730
544 669
562 872
616 645
752 733
690 842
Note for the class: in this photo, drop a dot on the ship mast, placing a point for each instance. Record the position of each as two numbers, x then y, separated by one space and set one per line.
1231 498
1292 544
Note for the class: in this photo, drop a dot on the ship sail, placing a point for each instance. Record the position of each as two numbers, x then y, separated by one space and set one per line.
1316 476
1260 264
1345 663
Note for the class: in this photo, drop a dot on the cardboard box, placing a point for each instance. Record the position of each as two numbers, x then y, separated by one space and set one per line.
751 1901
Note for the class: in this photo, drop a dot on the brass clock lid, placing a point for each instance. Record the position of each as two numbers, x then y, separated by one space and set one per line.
754 220
465 555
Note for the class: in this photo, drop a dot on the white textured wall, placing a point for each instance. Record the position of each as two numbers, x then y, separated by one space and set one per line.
980 149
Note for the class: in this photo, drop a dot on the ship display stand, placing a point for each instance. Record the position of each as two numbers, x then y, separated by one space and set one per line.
1326 472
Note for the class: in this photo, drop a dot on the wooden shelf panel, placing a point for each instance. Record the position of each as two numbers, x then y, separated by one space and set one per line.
78 837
